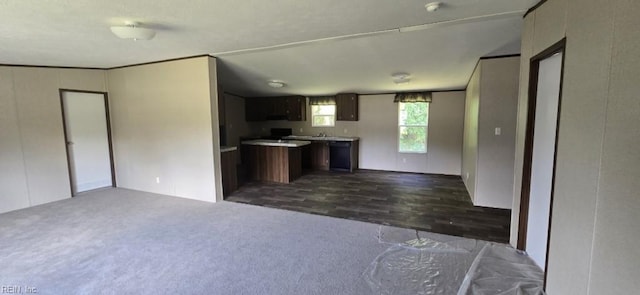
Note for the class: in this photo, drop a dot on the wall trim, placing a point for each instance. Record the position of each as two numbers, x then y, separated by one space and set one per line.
408 172
160 61
532 9
359 94
106 68
49 67
500 56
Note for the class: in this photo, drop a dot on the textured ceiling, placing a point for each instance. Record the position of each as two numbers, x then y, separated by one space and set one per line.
76 33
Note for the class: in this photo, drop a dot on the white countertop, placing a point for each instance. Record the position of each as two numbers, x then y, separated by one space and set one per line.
227 148
275 142
325 138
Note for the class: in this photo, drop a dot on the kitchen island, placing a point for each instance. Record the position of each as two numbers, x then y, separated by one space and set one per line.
273 160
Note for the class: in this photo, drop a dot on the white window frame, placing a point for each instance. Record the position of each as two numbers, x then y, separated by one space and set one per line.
333 121
425 126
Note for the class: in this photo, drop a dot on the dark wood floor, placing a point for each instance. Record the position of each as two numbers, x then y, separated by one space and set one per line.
434 203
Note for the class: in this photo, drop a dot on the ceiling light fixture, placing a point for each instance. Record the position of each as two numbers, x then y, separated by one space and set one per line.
276 84
401 78
131 30
433 6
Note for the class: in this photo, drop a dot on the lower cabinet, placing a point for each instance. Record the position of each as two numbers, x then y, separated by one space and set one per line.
319 155
326 155
229 172
343 156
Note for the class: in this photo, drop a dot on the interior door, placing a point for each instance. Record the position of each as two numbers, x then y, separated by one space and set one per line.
88 141
543 157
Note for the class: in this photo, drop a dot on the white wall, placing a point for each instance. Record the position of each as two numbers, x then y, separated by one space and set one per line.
498 109
33 167
161 116
593 242
491 102
470 135
378 132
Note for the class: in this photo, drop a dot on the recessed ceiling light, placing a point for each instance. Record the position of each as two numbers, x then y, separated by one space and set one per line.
131 30
276 84
433 6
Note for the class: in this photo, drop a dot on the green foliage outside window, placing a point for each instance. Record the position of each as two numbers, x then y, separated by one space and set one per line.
323 115
413 123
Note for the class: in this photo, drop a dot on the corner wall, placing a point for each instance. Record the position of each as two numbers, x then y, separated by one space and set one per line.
498 107
33 157
487 161
470 140
593 242
161 116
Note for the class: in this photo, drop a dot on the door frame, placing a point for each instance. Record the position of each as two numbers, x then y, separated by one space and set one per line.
105 95
559 47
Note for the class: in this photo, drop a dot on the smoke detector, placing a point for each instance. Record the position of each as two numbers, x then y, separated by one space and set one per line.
433 6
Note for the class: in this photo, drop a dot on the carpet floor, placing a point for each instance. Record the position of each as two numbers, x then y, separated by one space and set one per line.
118 241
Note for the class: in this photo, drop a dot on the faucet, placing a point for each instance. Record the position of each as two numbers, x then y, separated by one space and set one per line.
322 134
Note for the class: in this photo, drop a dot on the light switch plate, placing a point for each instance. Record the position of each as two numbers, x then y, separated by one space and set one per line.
498 131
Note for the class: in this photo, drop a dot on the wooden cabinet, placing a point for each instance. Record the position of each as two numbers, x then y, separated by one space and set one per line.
256 109
229 172
272 163
319 154
347 107
277 108
292 108
296 108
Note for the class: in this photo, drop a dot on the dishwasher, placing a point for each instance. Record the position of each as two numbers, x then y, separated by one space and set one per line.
340 155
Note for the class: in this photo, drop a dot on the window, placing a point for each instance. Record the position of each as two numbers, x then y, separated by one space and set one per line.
323 115
413 121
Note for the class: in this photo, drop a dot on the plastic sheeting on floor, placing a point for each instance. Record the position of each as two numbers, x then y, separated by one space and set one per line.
440 264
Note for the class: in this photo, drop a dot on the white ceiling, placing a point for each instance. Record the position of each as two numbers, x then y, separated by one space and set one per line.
76 33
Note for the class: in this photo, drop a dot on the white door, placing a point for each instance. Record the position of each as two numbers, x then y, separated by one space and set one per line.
542 164
87 140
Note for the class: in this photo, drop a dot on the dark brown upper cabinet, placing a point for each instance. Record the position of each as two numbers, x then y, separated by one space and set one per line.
292 108
296 108
347 107
255 109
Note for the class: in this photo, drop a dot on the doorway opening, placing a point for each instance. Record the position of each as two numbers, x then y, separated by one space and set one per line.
538 175
87 132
